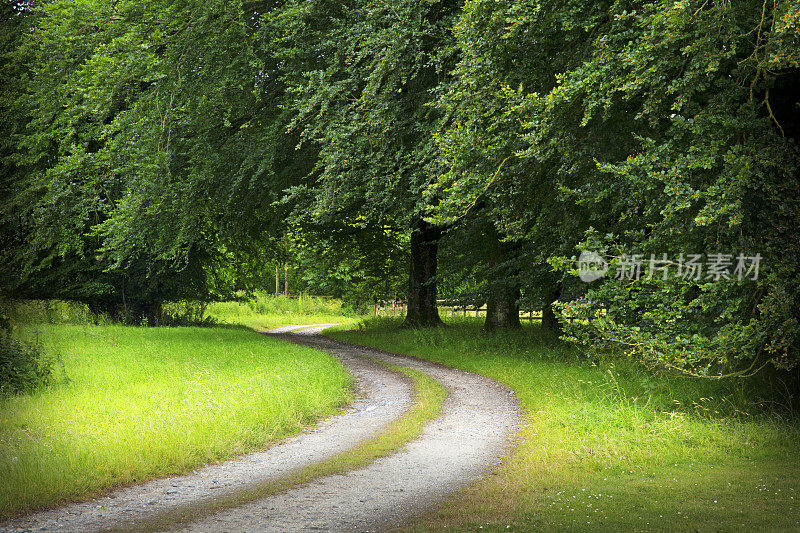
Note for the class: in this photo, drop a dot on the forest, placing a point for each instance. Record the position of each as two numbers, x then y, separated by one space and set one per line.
472 151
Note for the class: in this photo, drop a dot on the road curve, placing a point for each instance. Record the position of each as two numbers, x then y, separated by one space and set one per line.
478 421
381 398
473 432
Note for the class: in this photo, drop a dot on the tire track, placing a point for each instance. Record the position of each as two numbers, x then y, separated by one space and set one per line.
474 430
381 398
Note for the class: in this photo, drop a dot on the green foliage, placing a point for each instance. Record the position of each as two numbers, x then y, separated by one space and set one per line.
643 128
710 169
364 102
113 152
24 368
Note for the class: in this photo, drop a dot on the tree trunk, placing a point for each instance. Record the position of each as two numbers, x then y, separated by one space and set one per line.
286 280
154 313
502 307
549 320
422 310
502 310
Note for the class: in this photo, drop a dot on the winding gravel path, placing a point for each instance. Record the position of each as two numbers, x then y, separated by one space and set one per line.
474 430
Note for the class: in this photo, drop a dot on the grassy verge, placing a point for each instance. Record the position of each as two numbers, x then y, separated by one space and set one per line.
146 402
611 447
429 395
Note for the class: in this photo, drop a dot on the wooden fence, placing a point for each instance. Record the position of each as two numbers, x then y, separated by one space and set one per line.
447 308
390 308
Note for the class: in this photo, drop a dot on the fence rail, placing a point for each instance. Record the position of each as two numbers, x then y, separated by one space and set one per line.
399 308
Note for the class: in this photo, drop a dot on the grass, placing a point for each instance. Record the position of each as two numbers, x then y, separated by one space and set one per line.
267 312
609 446
262 322
429 395
139 403
263 311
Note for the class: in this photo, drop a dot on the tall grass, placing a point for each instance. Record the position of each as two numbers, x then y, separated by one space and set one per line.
265 311
146 402
52 312
609 446
23 367
260 311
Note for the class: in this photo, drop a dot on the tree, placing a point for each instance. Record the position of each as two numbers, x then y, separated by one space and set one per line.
666 133
506 51
714 170
145 149
642 128
365 105
61 111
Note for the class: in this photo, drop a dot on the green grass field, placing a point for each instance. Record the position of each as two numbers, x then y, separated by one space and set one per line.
133 403
267 312
262 312
612 447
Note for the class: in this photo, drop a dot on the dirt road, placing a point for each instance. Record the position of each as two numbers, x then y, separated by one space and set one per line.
473 432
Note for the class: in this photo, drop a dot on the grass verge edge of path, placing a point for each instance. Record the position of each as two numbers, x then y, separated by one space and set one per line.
131 404
429 395
609 446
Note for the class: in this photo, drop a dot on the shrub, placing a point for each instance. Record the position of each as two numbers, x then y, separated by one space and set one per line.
23 367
